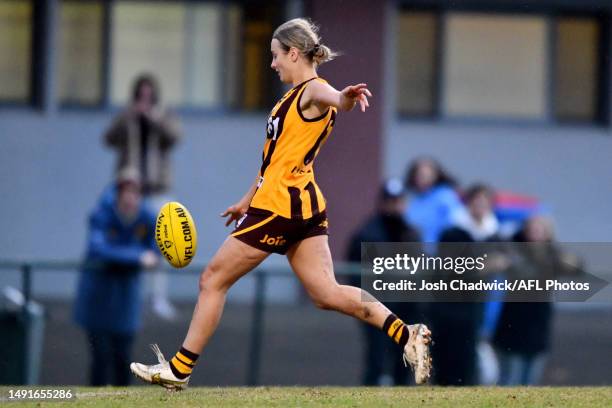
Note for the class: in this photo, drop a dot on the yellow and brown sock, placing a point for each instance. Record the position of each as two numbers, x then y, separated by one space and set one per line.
183 362
396 329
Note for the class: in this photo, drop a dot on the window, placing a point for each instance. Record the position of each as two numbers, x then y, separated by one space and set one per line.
495 66
205 55
502 65
15 49
251 81
576 69
148 37
80 56
416 63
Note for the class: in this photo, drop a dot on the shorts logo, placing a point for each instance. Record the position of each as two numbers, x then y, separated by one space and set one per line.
275 241
324 224
241 220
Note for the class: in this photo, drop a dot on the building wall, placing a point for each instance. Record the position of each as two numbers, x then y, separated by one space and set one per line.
53 168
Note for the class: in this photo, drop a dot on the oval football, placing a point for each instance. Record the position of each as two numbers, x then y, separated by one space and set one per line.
176 235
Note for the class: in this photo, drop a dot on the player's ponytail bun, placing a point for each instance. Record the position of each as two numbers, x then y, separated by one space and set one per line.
321 53
303 35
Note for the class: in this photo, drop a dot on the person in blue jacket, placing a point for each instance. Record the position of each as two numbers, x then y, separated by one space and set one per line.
433 198
108 303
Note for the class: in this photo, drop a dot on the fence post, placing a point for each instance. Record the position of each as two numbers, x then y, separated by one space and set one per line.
257 323
26 281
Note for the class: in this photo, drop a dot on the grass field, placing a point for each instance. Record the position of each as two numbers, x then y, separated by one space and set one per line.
565 397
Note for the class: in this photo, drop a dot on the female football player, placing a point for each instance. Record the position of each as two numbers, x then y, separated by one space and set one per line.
284 212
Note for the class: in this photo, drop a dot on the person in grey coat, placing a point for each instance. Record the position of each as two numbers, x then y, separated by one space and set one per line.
143 136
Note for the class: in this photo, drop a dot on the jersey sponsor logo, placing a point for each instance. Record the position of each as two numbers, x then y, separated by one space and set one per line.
260 182
300 170
274 241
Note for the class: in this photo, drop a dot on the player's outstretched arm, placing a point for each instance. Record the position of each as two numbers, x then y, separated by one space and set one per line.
326 95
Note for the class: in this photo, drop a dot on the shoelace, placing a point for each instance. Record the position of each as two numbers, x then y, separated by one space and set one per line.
406 362
160 357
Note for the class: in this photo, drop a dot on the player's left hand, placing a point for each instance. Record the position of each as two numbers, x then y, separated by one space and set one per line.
357 94
235 212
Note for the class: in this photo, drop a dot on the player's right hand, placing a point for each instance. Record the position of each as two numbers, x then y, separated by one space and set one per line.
235 212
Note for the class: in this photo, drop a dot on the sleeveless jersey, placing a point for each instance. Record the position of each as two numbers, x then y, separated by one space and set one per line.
287 184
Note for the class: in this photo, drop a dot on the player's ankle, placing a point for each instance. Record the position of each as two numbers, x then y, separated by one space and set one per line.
182 363
395 328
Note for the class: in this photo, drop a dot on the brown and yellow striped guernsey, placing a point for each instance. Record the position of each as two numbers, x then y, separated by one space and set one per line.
287 184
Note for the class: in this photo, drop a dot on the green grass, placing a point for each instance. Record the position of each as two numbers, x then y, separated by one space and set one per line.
565 397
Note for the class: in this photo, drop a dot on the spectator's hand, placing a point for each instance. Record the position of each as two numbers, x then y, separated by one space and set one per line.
149 259
235 212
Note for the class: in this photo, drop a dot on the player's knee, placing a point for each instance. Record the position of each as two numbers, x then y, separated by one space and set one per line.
210 278
323 303
327 299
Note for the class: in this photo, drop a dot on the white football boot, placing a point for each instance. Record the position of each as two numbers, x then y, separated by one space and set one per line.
416 352
160 374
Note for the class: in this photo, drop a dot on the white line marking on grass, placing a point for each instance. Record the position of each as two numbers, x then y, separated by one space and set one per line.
102 394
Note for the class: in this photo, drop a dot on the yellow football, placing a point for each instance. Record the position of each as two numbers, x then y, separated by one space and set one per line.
176 235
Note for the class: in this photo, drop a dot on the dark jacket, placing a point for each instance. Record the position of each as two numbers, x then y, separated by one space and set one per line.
525 328
109 290
386 228
456 324
381 228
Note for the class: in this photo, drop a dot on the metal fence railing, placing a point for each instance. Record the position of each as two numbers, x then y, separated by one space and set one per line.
261 275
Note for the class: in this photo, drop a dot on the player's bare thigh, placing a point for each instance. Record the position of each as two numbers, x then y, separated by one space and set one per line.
233 260
312 263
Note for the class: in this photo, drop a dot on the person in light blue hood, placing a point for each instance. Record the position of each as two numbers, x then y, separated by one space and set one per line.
433 199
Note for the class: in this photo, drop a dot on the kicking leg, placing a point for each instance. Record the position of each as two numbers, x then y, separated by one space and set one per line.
311 261
232 261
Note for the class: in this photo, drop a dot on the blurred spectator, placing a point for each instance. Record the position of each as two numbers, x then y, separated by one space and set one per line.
456 326
386 225
522 337
433 198
108 303
143 136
